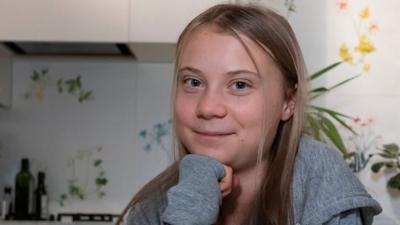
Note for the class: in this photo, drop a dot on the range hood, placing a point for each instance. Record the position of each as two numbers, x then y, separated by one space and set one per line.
68 48
146 52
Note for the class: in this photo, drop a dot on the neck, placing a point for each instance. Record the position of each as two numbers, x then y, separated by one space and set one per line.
235 206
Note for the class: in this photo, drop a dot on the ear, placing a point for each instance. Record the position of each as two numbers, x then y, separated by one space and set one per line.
289 105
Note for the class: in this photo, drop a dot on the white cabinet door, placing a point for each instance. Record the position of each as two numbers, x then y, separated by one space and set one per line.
5 77
162 21
64 21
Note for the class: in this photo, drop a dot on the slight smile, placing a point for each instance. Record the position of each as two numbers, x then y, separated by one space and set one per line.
213 134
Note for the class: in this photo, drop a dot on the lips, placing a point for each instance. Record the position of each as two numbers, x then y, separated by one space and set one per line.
214 133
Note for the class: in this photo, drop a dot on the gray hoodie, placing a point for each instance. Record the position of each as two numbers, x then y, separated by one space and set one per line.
325 191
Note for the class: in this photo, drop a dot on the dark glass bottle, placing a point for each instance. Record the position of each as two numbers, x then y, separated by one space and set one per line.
23 187
41 206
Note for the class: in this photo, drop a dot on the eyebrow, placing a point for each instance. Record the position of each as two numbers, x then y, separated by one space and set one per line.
232 73
191 69
235 72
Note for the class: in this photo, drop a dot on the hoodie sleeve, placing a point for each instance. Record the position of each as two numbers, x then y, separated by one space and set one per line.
197 197
351 217
325 187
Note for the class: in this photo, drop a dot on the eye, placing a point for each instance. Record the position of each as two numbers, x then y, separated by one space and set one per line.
191 83
240 85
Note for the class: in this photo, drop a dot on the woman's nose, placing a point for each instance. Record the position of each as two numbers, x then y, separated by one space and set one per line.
211 105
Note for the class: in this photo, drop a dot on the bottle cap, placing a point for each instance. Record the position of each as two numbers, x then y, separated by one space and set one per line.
25 163
41 176
7 190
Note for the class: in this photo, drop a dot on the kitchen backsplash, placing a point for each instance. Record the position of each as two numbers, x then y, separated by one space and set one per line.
77 142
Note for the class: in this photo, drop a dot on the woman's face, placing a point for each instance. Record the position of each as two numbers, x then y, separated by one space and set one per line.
221 98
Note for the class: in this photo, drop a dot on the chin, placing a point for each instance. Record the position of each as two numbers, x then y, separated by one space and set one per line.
215 154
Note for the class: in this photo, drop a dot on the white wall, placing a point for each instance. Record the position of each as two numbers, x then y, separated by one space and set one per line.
129 97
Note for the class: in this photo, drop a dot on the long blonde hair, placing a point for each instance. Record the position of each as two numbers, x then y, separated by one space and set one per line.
273 206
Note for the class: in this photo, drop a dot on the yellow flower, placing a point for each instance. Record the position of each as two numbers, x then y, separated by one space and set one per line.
366 68
365 46
364 14
344 54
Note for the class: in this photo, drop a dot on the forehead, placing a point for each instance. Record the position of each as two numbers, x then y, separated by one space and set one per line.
211 48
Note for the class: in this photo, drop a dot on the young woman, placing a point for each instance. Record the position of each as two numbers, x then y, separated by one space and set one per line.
238 97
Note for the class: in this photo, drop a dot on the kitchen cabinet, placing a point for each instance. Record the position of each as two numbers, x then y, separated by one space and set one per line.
64 21
162 21
5 77
155 26
149 28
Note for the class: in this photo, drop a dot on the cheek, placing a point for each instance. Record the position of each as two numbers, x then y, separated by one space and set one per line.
248 115
252 114
184 111
183 108
248 112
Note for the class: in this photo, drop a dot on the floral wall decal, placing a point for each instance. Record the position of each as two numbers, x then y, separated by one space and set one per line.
74 87
91 181
390 160
38 85
364 28
362 143
156 136
41 82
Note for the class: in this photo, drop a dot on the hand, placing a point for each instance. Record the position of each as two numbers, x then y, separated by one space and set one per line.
228 182
197 197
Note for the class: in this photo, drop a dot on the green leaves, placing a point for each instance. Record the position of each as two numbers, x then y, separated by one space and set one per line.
87 185
75 190
321 126
97 162
391 150
376 167
74 87
40 82
391 159
322 122
317 92
394 182
101 181
62 199
339 117
324 70
39 75
330 130
85 95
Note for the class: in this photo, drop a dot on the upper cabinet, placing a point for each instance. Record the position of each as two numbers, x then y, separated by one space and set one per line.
149 27
162 21
65 21
155 26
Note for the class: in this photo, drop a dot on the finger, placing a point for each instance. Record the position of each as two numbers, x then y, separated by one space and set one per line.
226 182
